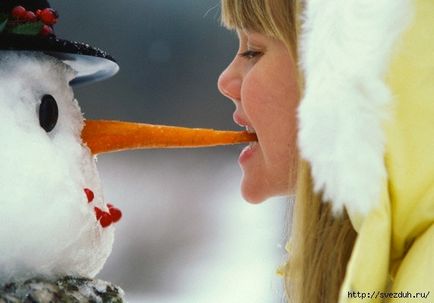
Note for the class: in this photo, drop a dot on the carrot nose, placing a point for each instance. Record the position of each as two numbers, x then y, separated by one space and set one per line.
103 136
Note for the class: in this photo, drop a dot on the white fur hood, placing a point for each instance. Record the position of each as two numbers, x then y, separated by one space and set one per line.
345 53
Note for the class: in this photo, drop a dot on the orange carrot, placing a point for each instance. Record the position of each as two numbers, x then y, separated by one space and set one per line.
103 136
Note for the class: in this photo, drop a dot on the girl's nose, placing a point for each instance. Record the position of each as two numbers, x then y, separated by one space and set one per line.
229 83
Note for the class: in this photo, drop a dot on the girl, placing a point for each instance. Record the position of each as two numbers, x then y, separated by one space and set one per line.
340 96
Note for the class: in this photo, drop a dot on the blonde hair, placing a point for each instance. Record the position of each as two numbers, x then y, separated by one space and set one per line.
320 243
274 18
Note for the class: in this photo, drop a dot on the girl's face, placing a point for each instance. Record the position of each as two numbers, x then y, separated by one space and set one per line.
261 81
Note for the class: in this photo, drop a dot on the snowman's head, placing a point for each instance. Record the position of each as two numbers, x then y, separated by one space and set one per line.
47 224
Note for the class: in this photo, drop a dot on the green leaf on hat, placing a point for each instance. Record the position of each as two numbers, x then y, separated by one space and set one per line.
3 21
28 28
3 25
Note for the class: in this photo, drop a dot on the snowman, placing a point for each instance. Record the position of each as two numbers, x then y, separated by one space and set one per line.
54 219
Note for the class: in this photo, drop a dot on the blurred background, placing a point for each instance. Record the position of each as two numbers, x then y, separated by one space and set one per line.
186 235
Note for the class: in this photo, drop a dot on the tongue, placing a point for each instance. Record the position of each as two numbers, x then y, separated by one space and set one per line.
103 136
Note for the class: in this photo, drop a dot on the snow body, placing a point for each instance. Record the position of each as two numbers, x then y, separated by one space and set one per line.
47 225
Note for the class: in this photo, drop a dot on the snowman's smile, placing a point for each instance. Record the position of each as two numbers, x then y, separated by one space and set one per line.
105 218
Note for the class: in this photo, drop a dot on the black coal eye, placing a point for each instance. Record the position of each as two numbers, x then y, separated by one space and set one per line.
48 113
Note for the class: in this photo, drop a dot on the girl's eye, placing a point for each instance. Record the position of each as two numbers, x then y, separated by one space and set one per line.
250 54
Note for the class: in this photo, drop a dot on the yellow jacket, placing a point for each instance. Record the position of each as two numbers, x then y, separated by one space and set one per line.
367 129
393 260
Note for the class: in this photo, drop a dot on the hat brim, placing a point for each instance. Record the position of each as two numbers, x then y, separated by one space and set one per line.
90 63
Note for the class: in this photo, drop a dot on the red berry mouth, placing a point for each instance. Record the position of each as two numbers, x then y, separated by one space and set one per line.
105 218
115 213
89 194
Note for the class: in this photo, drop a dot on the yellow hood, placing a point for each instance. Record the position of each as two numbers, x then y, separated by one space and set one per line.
394 251
366 127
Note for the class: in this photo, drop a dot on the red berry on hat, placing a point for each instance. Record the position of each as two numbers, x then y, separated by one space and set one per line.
30 16
105 220
89 195
38 12
48 16
46 31
115 213
19 12
98 213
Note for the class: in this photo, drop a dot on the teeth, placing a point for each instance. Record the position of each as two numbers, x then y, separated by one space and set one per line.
250 130
252 144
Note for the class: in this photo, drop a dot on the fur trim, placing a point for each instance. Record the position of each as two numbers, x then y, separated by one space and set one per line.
345 53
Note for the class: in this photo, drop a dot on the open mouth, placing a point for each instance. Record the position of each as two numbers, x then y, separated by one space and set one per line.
250 129
243 123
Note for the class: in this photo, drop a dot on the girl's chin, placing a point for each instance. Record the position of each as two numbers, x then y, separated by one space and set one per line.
252 189
254 186
253 199
258 194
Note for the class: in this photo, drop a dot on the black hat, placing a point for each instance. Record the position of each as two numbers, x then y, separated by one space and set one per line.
22 31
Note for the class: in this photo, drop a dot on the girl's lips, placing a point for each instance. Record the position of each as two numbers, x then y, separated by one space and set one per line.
250 149
247 152
241 121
